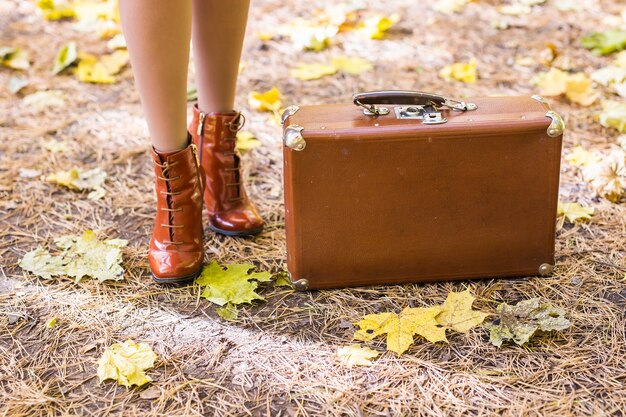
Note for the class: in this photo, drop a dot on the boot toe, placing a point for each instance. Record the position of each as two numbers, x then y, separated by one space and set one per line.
240 222
168 266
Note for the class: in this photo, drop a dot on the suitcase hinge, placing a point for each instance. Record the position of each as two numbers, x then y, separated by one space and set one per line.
293 138
289 111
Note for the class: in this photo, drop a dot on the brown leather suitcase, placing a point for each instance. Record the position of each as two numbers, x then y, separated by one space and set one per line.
405 186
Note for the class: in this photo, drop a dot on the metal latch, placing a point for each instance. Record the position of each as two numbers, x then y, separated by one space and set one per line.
429 114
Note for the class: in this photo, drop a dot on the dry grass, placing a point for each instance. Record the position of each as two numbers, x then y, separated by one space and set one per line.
278 358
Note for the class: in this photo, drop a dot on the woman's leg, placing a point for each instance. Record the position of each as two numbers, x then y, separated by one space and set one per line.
217 32
157 35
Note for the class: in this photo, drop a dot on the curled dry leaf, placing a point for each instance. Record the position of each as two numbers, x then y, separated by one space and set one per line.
520 322
608 177
126 363
80 256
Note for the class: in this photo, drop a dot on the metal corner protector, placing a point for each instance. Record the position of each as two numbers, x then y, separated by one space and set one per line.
293 139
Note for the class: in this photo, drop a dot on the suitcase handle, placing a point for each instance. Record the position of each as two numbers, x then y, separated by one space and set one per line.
369 99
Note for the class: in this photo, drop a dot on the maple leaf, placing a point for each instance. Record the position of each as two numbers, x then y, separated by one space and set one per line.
520 322
400 328
457 313
228 312
126 363
574 211
77 179
460 71
605 43
233 285
354 354
81 256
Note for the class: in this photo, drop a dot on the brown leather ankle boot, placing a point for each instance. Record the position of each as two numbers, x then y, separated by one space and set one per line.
176 249
230 211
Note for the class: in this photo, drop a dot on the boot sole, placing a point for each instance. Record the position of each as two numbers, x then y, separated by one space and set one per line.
177 280
231 233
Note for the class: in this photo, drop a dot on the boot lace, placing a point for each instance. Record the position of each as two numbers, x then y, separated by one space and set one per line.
235 126
165 176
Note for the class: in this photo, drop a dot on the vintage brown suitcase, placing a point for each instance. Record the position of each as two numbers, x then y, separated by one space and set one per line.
404 186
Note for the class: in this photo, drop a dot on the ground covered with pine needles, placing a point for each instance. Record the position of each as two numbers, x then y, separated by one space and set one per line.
278 358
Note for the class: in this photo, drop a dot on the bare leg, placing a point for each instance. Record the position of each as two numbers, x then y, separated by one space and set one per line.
157 34
218 31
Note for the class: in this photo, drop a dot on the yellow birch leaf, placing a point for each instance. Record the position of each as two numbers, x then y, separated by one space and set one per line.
352 66
354 354
265 101
457 313
579 89
313 71
574 211
126 363
460 71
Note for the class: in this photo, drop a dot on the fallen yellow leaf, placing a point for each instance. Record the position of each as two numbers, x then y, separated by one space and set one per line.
581 157
354 354
352 66
579 89
460 71
457 313
400 328
126 363
574 211
312 71
265 101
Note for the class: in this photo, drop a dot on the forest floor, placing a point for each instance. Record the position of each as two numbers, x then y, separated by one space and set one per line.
279 357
